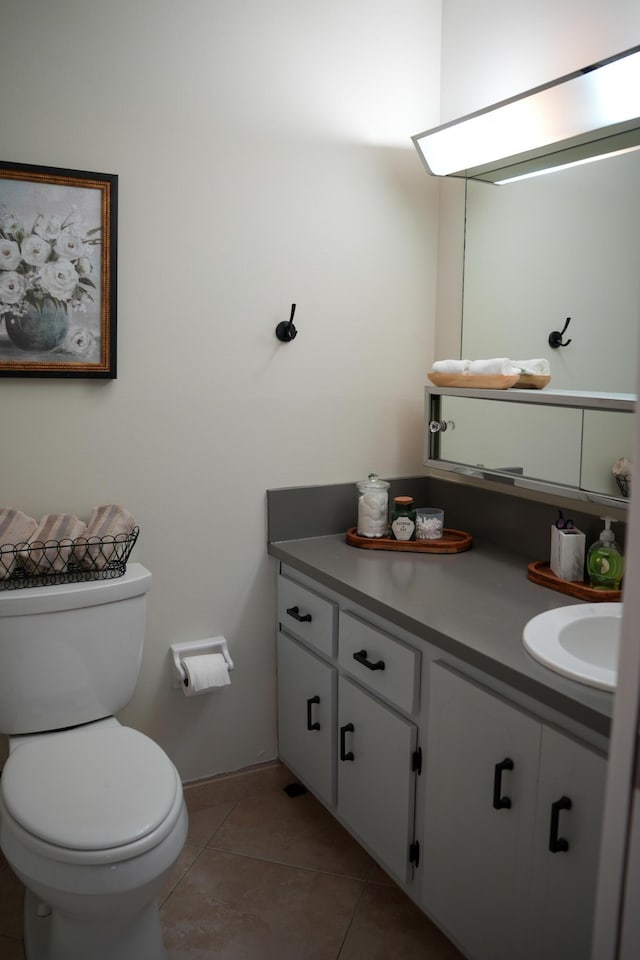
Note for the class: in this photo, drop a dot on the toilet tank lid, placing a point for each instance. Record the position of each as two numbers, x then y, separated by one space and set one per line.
69 596
90 788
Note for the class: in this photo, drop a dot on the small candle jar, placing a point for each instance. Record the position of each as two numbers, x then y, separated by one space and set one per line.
403 519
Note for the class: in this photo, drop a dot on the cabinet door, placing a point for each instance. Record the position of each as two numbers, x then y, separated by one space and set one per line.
307 717
481 768
376 785
569 819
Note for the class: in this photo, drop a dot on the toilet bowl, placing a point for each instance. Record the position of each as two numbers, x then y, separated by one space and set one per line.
91 820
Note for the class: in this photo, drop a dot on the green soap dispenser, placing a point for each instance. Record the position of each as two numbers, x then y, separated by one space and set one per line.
605 563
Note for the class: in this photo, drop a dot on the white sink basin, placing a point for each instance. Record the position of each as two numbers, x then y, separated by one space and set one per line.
580 642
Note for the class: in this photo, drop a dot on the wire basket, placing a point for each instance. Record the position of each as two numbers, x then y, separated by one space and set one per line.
47 563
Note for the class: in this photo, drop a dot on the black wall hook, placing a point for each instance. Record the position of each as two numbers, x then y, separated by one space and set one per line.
555 338
285 330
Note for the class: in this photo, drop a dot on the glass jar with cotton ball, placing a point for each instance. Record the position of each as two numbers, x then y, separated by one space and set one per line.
373 506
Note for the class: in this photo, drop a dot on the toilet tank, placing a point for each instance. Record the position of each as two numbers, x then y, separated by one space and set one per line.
71 653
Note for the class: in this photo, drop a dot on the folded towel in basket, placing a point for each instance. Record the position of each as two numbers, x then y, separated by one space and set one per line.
496 366
108 526
450 366
16 528
50 545
539 366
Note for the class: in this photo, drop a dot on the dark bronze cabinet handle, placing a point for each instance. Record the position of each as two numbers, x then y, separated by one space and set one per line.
295 613
310 724
558 844
500 802
361 657
348 728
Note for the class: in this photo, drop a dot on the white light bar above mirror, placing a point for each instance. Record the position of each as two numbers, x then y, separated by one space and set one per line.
583 116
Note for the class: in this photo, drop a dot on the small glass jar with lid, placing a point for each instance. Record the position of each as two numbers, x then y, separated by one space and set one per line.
373 507
403 519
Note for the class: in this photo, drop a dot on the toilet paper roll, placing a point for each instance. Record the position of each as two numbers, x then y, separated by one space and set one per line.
204 673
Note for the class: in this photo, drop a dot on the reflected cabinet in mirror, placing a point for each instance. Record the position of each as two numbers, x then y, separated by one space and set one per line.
561 442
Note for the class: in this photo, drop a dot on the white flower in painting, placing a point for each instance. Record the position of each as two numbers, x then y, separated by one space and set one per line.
84 266
79 341
10 223
9 255
11 287
69 246
58 278
35 250
48 227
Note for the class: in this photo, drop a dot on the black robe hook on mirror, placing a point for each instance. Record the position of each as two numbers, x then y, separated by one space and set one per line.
285 330
555 338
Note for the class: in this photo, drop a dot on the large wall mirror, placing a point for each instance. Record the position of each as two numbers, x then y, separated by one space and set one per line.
562 245
538 251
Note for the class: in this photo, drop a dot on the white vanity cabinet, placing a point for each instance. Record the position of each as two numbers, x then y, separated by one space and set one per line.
307 717
512 827
343 698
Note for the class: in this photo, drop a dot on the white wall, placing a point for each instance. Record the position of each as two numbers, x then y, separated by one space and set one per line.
264 158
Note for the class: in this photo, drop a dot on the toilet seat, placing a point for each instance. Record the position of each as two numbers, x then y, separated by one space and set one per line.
92 793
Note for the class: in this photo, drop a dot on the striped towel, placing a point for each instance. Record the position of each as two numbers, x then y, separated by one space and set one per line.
108 526
16 528
49 547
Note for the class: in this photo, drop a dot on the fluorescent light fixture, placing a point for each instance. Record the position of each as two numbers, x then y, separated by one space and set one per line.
587 114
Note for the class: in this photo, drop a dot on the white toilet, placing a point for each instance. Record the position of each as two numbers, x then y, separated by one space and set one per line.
92 815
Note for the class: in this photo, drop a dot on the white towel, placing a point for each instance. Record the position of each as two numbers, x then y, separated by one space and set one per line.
450 366
16 528
539 366
49 547
500 366
108 526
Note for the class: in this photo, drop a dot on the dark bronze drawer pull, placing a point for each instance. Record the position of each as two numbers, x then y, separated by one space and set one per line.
361 657
310 724
295 613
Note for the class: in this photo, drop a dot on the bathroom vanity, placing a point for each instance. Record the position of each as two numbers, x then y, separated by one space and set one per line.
473 775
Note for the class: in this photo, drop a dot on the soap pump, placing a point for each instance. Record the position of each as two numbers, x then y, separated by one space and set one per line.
605 563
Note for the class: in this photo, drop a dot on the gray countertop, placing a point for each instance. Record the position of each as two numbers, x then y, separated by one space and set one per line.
473 605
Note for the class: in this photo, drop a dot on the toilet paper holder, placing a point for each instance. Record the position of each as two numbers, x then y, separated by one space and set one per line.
196 648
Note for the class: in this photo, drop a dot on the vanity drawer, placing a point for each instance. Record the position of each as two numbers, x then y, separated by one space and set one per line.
362 648
308 616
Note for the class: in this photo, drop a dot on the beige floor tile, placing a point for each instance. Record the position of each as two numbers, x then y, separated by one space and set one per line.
297 831
190 852
11 899
387 925
236 786
11 949
204 822
234 908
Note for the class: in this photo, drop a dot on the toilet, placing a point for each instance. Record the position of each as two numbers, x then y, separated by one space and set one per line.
92 814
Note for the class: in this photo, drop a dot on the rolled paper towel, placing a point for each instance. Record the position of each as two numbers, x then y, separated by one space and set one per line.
496 366
204 673
49 548
16 529
450 366
539 366
108 526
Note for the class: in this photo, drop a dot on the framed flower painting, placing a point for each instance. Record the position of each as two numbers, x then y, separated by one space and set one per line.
57 272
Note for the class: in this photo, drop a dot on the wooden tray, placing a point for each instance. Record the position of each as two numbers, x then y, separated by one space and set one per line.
532 381
540 572
473 381
452 541
524 381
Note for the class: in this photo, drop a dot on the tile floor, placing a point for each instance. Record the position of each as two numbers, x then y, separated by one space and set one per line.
264 876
